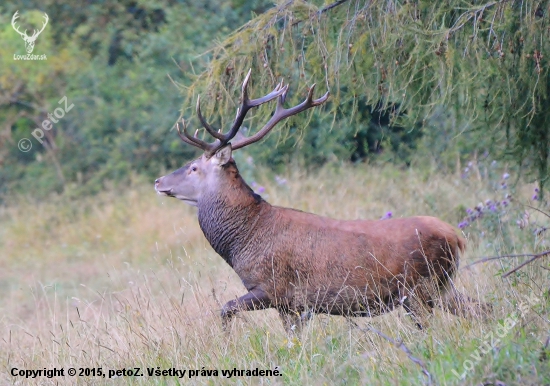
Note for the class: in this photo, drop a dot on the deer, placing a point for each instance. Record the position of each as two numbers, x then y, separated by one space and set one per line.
29 40
301 263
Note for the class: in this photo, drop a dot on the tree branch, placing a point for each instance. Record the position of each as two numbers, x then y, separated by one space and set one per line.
491 258
534 256
537 209
330 6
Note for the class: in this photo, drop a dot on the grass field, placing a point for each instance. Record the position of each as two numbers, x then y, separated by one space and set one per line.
126 279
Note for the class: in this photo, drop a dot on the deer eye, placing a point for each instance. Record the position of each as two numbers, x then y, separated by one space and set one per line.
193 168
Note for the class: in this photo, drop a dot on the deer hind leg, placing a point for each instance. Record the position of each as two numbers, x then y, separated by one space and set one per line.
418 301
256 299
294 321
459 304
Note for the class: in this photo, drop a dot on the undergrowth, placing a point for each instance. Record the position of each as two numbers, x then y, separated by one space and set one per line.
126 279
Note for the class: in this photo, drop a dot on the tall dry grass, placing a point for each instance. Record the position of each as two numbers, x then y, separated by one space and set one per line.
126 279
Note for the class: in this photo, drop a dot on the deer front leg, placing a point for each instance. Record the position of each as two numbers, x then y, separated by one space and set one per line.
419 301
256 299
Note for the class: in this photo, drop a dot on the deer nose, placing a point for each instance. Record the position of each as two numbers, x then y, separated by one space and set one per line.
157 181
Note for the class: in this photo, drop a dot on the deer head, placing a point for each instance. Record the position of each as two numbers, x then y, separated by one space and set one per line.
29 40
205 173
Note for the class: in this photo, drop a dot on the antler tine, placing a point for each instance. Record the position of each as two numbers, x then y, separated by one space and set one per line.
244 87
36 33
13 20
282 113
185 137
205 124
247 104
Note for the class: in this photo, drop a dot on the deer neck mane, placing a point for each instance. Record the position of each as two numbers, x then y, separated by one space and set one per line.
228 214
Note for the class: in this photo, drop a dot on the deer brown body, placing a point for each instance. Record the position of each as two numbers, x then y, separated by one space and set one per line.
300 262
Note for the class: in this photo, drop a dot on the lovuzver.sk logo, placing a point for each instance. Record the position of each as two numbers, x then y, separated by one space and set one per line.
29 40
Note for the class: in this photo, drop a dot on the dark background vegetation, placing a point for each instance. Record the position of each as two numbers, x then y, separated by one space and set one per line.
411 82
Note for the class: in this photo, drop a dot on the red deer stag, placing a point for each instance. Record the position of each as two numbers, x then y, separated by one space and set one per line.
301 263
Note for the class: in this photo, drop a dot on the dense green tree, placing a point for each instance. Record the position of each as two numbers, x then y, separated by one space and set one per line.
476 69
117 62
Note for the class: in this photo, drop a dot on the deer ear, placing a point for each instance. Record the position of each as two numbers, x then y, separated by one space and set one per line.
223 156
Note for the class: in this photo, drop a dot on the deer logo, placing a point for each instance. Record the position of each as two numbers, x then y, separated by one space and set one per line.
29 40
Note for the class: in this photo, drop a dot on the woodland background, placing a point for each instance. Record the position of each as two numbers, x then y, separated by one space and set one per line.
410 81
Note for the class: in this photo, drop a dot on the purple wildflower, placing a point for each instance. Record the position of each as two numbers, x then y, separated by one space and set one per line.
505 176
280 180
539 231
388 215
535 197
260 189
504 203
463 224
469 211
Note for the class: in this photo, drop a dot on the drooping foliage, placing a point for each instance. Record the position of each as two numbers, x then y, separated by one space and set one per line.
474 69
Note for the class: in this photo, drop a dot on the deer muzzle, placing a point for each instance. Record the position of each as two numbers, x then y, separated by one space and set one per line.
162 190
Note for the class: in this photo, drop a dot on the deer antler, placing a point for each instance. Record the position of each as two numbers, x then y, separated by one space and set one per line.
24 34
36 33
13 19
280 113
191 140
